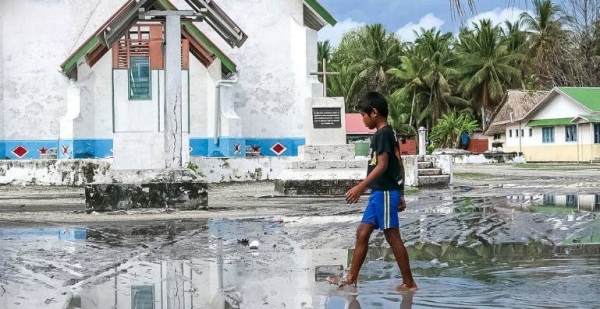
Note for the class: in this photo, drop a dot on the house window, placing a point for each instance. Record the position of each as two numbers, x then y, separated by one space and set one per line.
142 297
597 133
530 132
496 136
548 135
548 199
597 202
522 133
139 78
571 200
516 133
509 133
571 133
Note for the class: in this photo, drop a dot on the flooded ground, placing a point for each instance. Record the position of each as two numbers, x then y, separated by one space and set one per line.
491 241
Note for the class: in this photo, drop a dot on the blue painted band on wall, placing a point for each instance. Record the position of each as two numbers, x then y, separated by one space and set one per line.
102 148
64 149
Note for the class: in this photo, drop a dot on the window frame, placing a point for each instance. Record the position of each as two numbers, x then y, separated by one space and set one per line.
130 77
544 139
573 133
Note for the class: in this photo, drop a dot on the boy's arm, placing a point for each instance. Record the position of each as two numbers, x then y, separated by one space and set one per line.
403 176
354 194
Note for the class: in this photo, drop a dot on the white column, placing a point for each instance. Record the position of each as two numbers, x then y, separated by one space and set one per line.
422 142
173 119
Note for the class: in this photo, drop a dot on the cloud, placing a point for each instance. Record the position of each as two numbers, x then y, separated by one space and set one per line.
497 16
406 33
334 34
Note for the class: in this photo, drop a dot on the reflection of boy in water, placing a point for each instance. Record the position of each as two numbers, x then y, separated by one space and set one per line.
385 178
407 302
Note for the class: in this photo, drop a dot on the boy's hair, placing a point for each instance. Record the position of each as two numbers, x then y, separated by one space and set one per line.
371 100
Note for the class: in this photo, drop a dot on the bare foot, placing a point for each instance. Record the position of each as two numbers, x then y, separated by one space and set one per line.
407 288
339 281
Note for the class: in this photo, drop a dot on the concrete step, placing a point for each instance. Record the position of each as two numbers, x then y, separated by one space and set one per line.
429 171
425 164
434 181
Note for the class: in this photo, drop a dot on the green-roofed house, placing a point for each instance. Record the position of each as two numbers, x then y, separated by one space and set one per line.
77 77
564 126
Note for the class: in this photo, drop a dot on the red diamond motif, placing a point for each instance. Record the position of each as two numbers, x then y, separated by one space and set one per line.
20 151
278 149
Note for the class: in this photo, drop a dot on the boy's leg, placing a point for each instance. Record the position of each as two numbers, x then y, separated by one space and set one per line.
392 236
363 233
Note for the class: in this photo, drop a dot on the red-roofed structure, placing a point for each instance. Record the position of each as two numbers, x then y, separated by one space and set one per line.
355 126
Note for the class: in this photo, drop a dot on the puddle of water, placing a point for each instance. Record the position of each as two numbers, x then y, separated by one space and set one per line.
540 203
203 265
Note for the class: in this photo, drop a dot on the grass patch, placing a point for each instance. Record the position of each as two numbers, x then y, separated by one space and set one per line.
472 175
411 191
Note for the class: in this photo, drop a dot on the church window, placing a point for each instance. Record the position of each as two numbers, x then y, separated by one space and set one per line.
142 297
140 51
139 78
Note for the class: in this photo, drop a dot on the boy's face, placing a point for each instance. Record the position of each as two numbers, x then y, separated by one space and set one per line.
369 119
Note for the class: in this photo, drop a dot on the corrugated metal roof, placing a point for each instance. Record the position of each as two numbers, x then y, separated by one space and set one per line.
355 125
586 96
550 122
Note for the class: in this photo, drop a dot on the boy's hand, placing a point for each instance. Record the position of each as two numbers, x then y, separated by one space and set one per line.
402 203
354 194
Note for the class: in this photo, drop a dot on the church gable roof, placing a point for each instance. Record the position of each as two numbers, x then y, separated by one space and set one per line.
125 17
316 15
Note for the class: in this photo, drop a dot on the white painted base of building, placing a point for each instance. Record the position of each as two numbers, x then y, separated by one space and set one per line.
74 172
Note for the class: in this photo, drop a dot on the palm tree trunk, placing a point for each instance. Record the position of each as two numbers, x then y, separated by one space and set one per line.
412 107
484 105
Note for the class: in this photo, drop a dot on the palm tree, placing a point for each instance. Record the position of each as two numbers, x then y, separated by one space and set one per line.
380 52
410 73
440 69
546 38
487 66
324 51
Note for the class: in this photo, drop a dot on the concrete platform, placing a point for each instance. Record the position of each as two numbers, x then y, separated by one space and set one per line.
177 189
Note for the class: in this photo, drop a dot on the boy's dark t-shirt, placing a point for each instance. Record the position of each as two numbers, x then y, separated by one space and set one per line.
384 140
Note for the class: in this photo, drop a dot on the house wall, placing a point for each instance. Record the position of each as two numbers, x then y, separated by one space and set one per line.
535 150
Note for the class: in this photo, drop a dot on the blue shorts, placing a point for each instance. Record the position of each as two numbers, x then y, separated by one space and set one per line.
382 209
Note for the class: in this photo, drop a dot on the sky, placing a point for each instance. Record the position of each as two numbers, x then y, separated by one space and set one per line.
404 16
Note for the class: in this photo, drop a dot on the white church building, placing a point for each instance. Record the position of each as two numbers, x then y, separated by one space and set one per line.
84 79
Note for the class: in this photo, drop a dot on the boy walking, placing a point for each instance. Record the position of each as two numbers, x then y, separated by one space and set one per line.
385 178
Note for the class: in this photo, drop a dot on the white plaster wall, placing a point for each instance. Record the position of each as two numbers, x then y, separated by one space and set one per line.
560 107
198 98
33 49
272 63
213 75
2 112
95 118
145 115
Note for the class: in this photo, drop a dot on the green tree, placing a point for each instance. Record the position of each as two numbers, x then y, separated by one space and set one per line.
440 71
410 73
446 133
547 42
380 52
487 66
324 51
